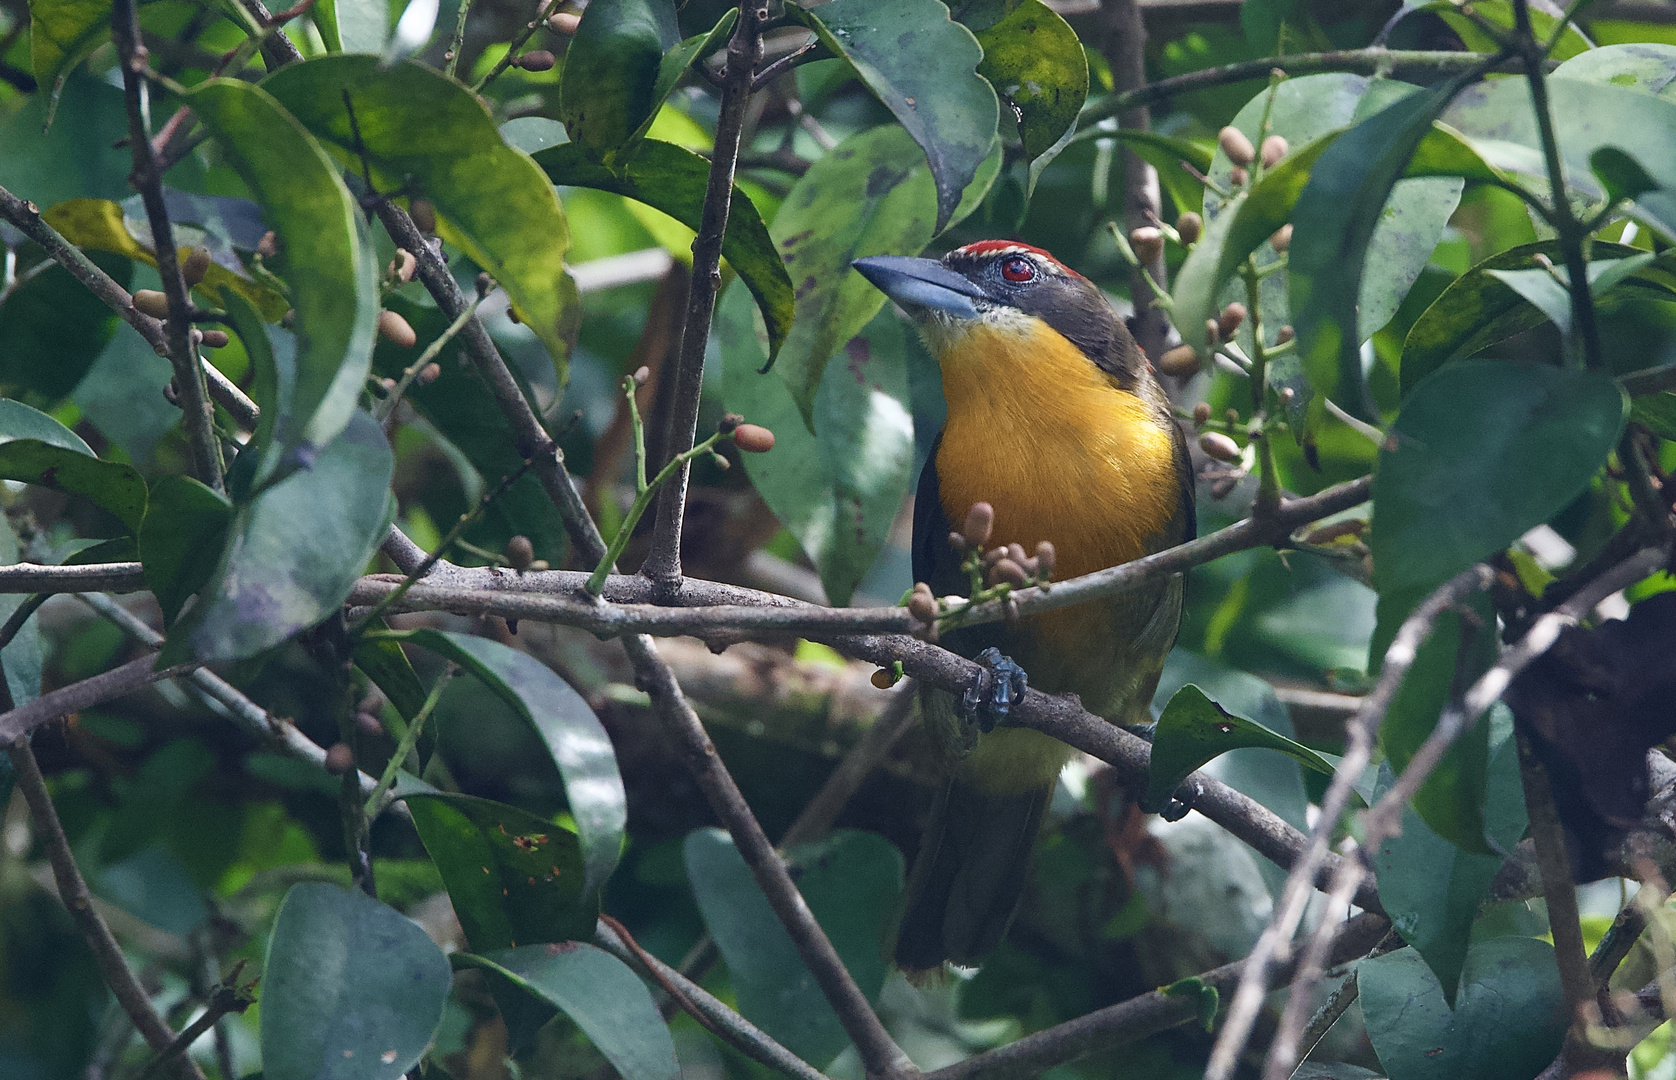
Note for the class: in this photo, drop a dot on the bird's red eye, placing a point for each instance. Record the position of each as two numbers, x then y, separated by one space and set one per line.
1017 268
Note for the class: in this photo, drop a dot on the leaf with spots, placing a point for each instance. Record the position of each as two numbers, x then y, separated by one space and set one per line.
1194 729
1033 59
922 66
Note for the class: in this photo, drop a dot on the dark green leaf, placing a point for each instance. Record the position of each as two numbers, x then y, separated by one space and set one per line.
22 655
573 735
837 490
677 60
1194 729
852 881
1656 413
1621 175
1339 210
599 992
1479 309
354 26
294 550
672 179
328 262
609 89
1167 155
922 67
1549 291
52 329
513 878
1507 1024
1431 888
1451 801
1481 452
384 662
869 196
1033 59
427 135
181 539
351 989
37 449
78 157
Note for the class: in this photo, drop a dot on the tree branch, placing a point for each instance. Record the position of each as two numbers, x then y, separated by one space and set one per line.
139 672
1362 731
73 892
198 416
27 217
744 50
1415 66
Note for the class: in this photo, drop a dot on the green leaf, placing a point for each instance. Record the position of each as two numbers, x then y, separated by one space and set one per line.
673 179
181 539
837 490
1165 154
430 137
868 196
386 664
677 60
1339 210
463 409
351 989
609 89
353 26
1201 993
1499 13
513 878
922 67
573 734
1481 452
1642 65
852 882
1507 1024
1033 59
1621 175
294 550
327 261
61 33
1549 289
52 329
1451 801
1431 888
600 993
37 449
1479 309
1656 413
1194 729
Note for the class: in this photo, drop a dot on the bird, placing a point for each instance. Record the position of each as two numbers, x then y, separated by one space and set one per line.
1056 421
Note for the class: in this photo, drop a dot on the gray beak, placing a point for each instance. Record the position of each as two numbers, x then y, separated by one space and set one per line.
921 284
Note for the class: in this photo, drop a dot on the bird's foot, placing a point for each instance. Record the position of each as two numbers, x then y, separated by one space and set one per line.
994 692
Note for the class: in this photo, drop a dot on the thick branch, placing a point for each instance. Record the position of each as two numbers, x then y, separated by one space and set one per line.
744 50
198 415
73 892
27 217
119 577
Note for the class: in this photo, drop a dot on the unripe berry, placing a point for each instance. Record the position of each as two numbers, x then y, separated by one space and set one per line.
1010 573
641 375
1201 413
369 724
428 374
537 60
1239 176
1181 361
340 759
403 266
884 678
1274 148
1282 238
1219 446
268 246
151 302
1285 334
1045 557
753 438
424 215
1232 317
519 553
1148 243
1236 145
195 266
563 22
922 605
1190 227
215 339
980 522
396 330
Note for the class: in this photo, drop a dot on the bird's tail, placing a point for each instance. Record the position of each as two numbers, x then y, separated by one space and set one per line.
971 871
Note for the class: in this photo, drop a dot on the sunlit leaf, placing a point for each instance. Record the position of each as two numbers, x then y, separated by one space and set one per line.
609 90
1033 59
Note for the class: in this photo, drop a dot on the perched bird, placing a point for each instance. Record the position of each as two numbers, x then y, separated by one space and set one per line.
1056 421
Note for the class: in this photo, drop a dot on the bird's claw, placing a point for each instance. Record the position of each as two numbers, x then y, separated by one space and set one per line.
994 692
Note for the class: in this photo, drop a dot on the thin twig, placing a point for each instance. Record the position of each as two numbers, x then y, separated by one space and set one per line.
224 999
744 50
409 740
517 43
198 416
455 45
27 217
738 1031
1358 751
74 894
1558 889
432 351
106 686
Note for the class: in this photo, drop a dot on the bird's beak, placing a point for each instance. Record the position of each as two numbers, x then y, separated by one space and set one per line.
921 285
